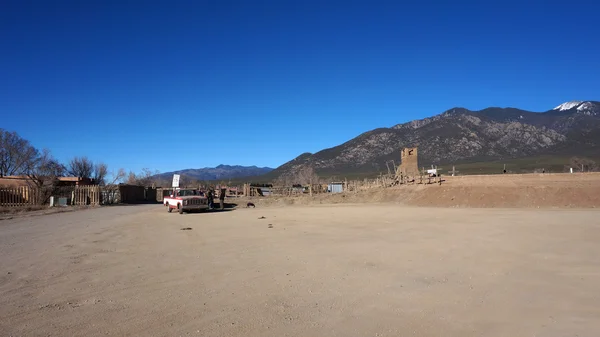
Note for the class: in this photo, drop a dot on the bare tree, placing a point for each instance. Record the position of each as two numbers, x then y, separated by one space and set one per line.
144 178
80 167
45 166
115 178
304 175
85 168
185 181
161 182
583 164
111 187
132 178
16 154
100 173
307 176
281 180
43 173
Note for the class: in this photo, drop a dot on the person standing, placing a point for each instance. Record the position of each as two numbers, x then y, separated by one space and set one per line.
222 198
210 197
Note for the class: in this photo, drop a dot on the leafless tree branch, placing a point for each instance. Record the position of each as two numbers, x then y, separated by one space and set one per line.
43 174
16 154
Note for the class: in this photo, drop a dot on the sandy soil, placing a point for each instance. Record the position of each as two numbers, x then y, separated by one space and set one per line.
491 191
334 270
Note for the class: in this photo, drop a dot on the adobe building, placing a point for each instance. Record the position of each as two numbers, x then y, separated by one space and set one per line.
13 181
409 164
19 181
75 181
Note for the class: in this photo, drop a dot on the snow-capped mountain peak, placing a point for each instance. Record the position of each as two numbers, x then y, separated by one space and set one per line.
568 105
589 108
585 106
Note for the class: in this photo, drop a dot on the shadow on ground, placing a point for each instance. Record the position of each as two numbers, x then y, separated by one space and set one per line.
133 204
227 207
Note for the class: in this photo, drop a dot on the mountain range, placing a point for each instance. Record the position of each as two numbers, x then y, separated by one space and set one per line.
456 136
461 135
218 173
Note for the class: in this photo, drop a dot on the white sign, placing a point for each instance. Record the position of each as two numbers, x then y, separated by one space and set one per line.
176 180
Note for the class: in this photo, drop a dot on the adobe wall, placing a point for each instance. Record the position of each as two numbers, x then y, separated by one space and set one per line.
409 161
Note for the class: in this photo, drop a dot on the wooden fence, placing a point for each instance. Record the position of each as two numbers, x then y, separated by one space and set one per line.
26 196
86 195
353 186
18 196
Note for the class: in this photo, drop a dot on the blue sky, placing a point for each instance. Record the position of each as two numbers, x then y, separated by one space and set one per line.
173 85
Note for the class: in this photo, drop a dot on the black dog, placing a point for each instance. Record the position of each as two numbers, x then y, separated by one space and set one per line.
250 204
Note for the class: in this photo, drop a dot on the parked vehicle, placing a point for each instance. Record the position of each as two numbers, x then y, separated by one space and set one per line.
186 200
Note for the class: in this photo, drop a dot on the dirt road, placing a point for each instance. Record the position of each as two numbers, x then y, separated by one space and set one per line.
344 270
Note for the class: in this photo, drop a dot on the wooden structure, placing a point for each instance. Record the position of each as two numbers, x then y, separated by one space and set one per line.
250 190
230 191
335 187
27 196
18 196
134 194
86 195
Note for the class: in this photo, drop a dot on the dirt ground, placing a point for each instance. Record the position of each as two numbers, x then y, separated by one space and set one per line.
491 191
320 270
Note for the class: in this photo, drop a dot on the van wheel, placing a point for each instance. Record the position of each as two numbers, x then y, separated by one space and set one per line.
180 208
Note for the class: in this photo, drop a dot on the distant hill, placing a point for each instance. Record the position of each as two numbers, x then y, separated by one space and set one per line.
460 135
218 173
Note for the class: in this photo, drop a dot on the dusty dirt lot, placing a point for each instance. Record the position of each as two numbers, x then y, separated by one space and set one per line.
336 270
491 191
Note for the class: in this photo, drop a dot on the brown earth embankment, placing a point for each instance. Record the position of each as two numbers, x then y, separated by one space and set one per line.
492 191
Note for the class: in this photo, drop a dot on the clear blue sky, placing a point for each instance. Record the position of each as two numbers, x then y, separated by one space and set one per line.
172 85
